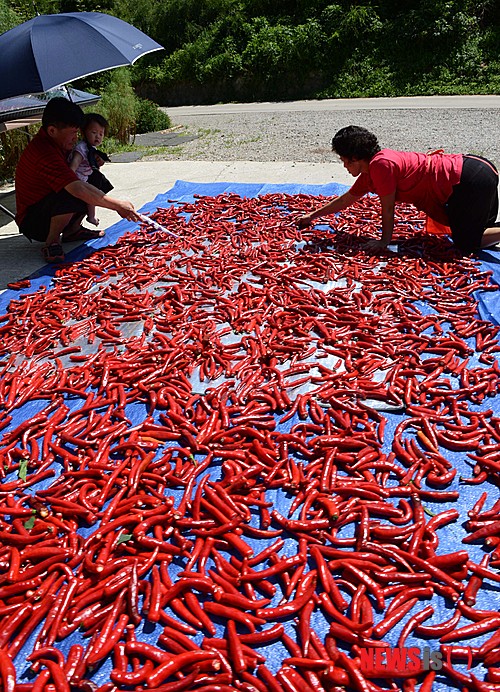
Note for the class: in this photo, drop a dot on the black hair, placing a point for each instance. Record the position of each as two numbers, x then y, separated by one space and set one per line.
95 118
355 143
60 112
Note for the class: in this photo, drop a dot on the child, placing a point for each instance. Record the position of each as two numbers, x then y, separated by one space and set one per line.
85 159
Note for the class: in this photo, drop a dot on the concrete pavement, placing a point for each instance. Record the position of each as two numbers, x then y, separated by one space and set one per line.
141 181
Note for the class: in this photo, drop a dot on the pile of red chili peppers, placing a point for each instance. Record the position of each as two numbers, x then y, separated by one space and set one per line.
199 486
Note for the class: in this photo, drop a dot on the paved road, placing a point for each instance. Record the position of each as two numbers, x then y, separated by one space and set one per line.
402 102
302 130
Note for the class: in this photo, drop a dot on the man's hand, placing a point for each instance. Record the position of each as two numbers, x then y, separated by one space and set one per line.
127 211
304 221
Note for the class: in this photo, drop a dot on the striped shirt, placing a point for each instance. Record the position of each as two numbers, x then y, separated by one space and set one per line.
42 169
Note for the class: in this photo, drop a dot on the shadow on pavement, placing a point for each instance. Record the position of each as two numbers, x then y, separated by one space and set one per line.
7 200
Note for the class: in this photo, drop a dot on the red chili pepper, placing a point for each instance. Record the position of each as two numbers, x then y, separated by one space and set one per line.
483 571
327 580
269 679
193 604
370 584
397 614
247 619
304 592
474 584
356 678
75 656
440 629
473 630
132 678
7 672
110 633
41 681
57 674
179 662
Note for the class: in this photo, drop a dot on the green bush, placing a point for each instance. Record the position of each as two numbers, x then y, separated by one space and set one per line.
8 18
260 49
361 77
118 105
12 144
276 50
150 118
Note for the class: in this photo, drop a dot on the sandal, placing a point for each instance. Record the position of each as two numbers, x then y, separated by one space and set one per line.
84 234
53 253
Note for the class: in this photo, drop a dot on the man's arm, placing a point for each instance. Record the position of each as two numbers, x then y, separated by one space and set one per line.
336 204
97 198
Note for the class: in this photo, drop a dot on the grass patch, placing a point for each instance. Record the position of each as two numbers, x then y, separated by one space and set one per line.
232 141
206 132
161 151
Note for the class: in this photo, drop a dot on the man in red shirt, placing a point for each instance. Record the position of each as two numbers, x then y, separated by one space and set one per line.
51 200
459 191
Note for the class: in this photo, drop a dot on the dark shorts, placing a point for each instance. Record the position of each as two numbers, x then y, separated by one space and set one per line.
36 223
473 205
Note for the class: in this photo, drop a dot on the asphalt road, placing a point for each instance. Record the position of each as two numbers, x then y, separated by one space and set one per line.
402 102
302 130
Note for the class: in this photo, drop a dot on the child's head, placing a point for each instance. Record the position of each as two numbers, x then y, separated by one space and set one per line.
94 128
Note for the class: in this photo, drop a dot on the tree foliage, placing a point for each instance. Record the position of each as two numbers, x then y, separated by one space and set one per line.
262 49
8 17
246 49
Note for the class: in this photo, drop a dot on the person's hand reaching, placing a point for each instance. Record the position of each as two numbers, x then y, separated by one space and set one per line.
304 221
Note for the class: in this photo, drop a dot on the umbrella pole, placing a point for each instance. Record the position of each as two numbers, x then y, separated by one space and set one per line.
68 92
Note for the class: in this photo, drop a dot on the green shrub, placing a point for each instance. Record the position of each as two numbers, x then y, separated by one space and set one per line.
260 49
361 77
118 105
282 49
12 145
150 118
8 18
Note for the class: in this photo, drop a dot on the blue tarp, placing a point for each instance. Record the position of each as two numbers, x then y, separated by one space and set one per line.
450 539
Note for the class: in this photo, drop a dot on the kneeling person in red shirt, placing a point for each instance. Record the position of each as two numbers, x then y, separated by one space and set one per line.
51 200
459 191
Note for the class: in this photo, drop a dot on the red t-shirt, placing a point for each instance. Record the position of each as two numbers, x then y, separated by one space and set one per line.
424 180
42 169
